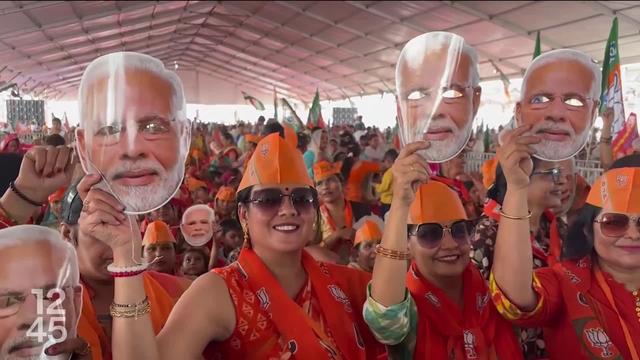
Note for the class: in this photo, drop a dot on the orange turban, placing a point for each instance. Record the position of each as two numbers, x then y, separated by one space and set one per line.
370 231
435 202
290 135
324 169
226 193
158 232
275 162
57 196
193 184
617 189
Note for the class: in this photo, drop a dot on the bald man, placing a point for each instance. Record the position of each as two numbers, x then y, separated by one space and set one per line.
133 128
438 83
35 259
560 92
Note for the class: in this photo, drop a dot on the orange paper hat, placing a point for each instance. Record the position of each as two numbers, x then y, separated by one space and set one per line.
252 138
618 190
275 162
324 169
370 231
226 193
193 184
158 232
435 202
56 196
290 135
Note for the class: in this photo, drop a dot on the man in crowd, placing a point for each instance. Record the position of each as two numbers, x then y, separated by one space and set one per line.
158 248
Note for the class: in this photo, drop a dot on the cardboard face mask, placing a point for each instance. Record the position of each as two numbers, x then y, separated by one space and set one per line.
40 292
557 102
436 96
133 129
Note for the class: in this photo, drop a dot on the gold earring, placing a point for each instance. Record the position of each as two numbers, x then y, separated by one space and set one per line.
246 239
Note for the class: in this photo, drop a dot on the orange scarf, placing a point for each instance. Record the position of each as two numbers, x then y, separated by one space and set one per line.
584 309
348 216
306 339
492 210
91 331
446 332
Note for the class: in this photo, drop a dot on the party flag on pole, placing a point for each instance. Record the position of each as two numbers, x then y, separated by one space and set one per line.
536 50
294 121
315 113
275 104
253 101
611 95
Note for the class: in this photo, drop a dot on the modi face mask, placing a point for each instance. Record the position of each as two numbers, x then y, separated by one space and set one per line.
40 292
437 93
133 129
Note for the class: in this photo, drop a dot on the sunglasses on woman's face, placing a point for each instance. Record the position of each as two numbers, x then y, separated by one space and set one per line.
430 235
270 200
616 225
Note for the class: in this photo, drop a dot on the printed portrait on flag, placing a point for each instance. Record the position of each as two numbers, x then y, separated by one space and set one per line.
133 129
438 91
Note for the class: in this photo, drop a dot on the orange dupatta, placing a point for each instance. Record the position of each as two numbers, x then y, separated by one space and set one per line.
91 331
447 332
348 215
305 338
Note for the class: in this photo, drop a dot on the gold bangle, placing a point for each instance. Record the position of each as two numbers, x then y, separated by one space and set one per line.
128 311
526 217
392 254
8 215
144 301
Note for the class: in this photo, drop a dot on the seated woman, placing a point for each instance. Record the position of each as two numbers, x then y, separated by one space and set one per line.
275 301
448 314
588 303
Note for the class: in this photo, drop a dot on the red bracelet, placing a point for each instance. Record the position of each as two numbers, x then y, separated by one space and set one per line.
126 273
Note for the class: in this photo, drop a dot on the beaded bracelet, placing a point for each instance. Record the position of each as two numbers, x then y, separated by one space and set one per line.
120 272
22 196
392 254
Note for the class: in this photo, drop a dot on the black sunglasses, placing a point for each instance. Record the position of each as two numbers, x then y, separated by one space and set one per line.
616 225
430 235
302 199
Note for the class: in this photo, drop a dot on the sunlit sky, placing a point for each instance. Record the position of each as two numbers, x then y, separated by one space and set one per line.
376 110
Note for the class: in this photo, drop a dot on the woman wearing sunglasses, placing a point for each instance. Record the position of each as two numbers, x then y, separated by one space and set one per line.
440 308
274 302
589 303
547 232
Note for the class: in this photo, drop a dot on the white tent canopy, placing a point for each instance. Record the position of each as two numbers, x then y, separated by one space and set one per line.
342 48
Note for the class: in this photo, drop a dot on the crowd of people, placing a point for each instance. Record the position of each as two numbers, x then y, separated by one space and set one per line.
326 243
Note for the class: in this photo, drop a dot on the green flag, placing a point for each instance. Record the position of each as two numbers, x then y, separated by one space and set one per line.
315 113
611 95
253 101
537 51
294 120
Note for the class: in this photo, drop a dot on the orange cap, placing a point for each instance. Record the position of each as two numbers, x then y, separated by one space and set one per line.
324 169
290 135
252 138
618 190
275 162
158 232
57 196
226 193
370 231
435 202
193 184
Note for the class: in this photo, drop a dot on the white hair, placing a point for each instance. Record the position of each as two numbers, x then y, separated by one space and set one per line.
114 64
196 207
559 55
31 234
417 48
